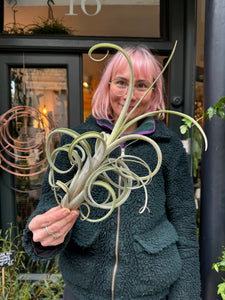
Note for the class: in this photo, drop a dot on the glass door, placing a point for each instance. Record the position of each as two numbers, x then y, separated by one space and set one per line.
39 101
38 94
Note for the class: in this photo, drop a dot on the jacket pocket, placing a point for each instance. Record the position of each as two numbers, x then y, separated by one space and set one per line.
158 260
156 240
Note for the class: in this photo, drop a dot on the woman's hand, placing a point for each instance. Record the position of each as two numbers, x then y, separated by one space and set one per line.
51 227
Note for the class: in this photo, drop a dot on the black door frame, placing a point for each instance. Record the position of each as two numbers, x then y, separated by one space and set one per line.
72 63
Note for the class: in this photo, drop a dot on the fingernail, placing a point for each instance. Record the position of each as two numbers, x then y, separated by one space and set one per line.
66 211
75 213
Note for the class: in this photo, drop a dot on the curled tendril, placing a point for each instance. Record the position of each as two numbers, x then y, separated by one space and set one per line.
83 217
97 59
93 169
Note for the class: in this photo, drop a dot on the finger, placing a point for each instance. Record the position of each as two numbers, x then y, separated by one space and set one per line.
49 217
57 238
37 221
59 228
62 226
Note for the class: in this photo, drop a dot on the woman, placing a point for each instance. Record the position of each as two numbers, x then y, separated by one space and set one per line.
153 255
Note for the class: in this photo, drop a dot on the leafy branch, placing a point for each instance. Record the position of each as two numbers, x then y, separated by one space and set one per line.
220 266
217 109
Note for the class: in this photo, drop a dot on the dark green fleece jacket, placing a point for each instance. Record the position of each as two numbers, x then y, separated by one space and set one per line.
158 250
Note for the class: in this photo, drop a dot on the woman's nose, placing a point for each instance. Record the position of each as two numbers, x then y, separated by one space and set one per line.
133 95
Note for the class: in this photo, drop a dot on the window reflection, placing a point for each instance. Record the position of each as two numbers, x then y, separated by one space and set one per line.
92 72
43 89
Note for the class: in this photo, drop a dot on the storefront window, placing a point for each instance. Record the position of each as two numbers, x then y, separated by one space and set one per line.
108 18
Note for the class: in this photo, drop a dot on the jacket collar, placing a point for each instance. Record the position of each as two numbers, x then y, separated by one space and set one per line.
147 126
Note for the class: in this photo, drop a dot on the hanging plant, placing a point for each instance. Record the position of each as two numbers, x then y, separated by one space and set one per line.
49 26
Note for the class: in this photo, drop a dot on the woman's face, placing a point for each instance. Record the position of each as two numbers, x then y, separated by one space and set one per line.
117 102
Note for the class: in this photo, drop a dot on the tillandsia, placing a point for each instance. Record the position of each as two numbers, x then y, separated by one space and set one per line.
92 169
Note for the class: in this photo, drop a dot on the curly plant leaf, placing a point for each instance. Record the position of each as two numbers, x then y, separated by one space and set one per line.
95 169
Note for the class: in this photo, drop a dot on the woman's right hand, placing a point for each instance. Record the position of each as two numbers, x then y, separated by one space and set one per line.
51 228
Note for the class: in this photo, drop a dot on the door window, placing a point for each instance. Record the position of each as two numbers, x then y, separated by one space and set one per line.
39 98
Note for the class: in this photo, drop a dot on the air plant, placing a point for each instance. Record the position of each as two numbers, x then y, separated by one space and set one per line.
93 168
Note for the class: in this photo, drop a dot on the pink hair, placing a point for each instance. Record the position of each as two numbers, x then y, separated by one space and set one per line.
143 63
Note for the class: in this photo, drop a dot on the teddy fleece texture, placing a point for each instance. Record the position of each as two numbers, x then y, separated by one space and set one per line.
158 250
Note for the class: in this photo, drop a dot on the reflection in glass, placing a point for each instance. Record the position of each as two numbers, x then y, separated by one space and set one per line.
92 72
45 90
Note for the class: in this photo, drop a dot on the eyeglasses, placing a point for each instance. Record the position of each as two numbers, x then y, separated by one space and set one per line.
120 87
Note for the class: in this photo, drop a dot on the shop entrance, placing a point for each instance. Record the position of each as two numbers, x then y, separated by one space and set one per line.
57 78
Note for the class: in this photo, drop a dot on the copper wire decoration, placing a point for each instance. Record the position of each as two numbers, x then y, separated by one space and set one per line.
23 133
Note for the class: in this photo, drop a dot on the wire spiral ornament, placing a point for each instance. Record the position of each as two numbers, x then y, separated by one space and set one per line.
23 133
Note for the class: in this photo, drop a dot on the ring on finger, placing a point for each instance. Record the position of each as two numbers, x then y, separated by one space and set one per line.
52 234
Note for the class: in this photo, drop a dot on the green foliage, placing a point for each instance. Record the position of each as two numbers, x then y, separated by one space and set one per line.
219 110
218 267
17 284
43 26
49 26
185 127
197 150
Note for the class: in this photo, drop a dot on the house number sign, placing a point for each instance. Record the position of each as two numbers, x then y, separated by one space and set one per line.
83 7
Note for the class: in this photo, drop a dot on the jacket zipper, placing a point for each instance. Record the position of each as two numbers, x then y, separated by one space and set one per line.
117 240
